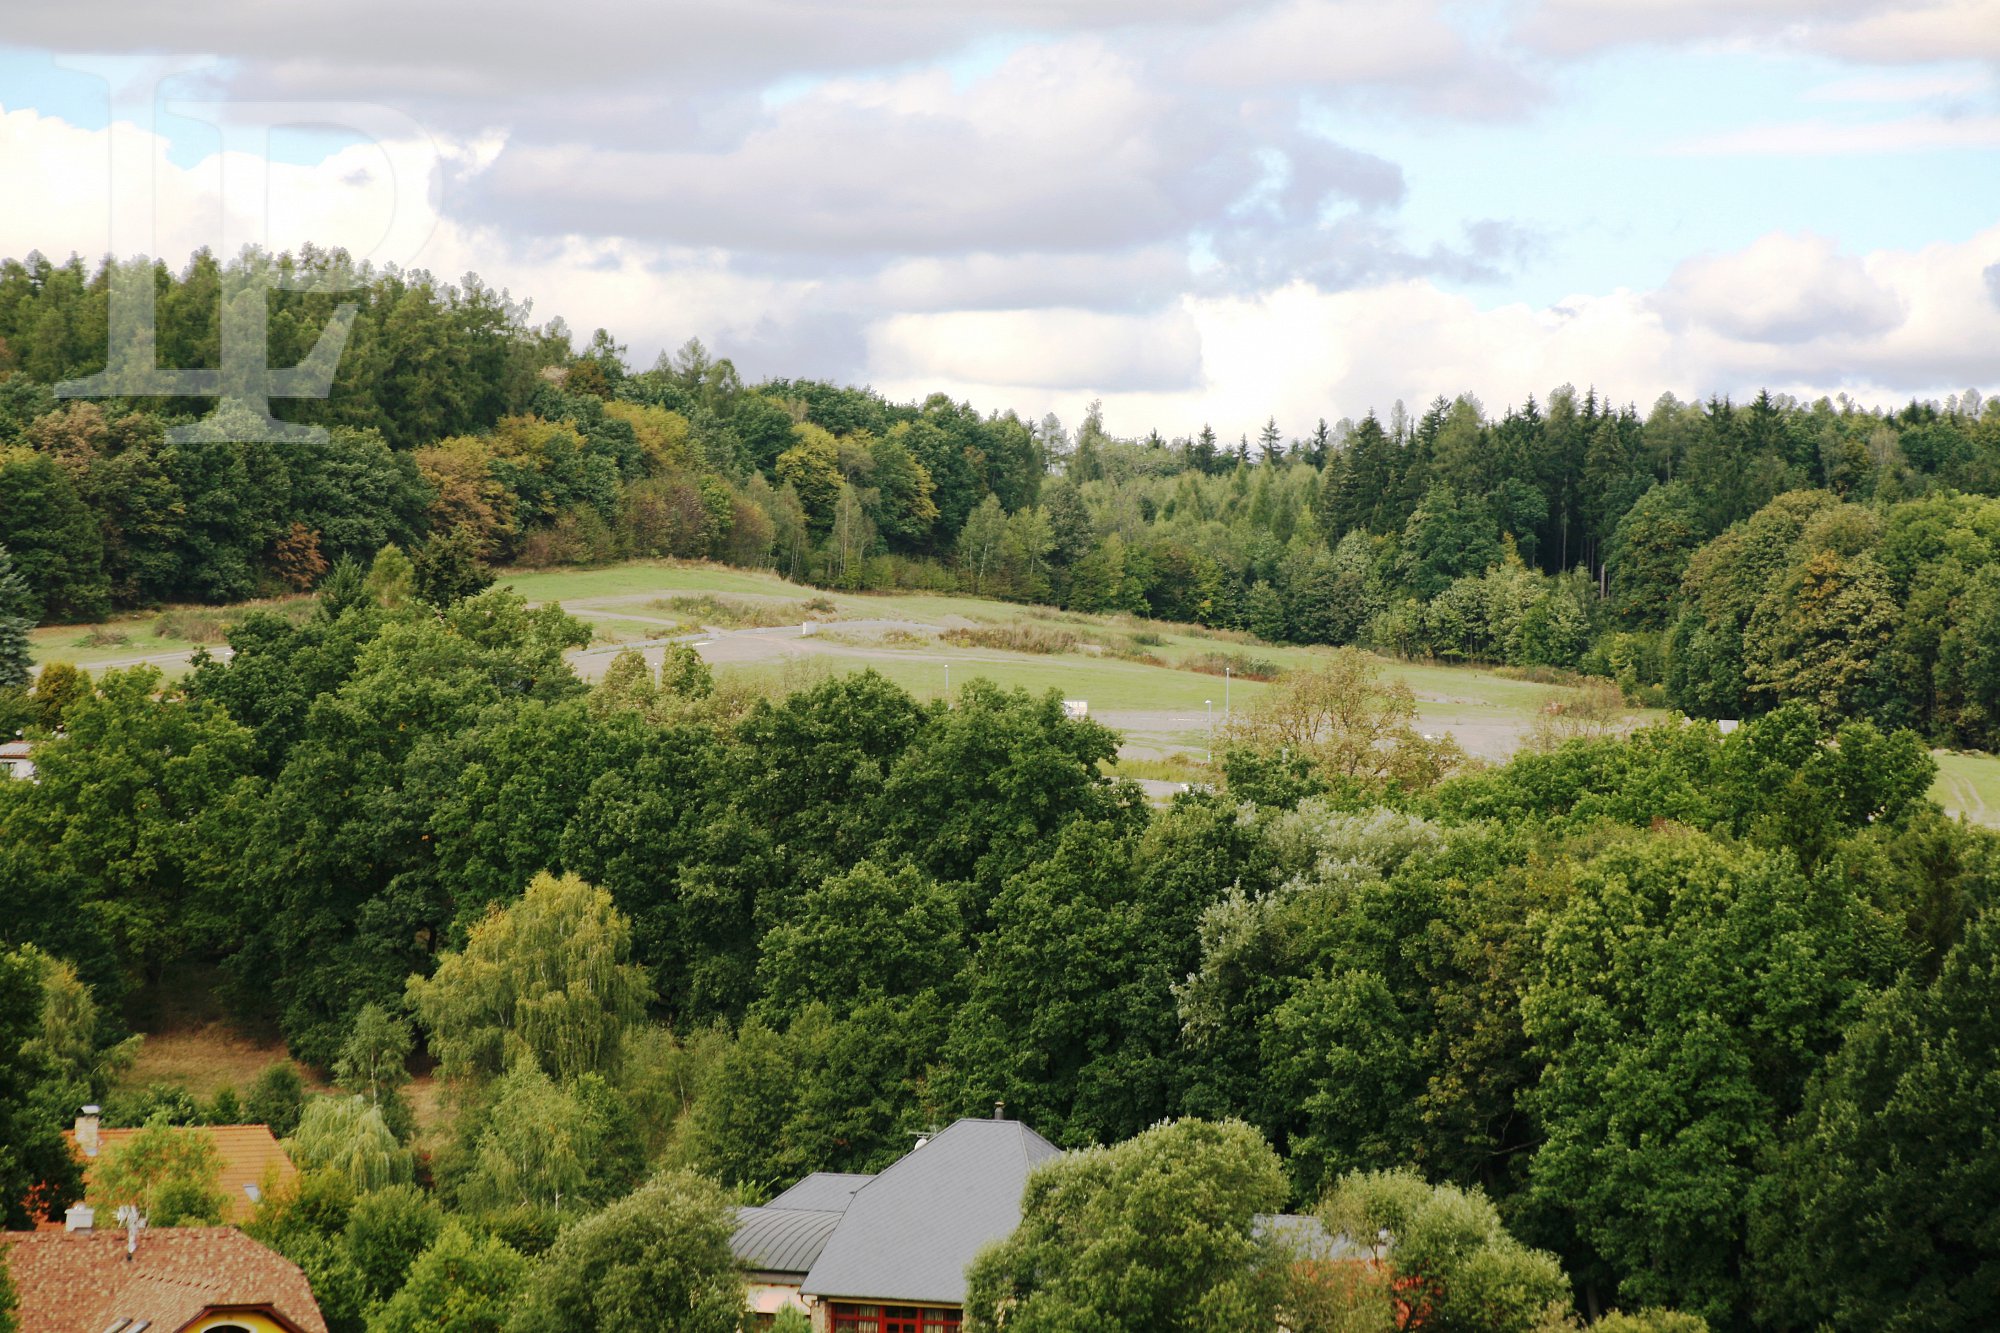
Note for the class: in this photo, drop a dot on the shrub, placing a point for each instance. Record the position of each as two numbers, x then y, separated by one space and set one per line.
1240 665
1017 638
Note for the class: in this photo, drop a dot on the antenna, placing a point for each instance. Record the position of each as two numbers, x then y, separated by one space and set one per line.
134 1222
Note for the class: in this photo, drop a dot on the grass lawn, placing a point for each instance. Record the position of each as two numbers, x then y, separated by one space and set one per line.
1969 785
1106 684
1162 707
173 633
97 645
636 577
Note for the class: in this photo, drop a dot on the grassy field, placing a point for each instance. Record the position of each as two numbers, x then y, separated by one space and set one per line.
1132 672
166 638
1162 708
114 642
204 1060
1969 784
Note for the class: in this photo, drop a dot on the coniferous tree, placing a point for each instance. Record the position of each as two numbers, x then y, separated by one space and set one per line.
16 667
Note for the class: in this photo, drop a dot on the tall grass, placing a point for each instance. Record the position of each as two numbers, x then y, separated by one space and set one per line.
1018 638
740 612
1240 665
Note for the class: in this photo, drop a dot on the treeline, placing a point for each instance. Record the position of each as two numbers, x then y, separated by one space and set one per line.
1721 558
1708 1016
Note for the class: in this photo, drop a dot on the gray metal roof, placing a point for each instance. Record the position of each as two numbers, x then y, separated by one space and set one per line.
909 1233
1303 1234
822 1190
780 1240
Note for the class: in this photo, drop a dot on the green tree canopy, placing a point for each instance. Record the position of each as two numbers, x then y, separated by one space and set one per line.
349 1135
1440 1260
32 1150
1686 994
460 1284
550 976
1879 1214
172 1174
1153 1235
658 1258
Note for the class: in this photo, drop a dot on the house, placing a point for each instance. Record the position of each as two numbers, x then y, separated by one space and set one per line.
165 1280
17 761
253 1161
887 1253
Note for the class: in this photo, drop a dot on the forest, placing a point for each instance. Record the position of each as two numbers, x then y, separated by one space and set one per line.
1719 558
1695 1024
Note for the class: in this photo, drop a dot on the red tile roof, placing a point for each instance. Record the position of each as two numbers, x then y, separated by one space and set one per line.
81 1281
250 1155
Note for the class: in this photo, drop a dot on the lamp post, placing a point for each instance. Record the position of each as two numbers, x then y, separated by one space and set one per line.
1208 752
1225 696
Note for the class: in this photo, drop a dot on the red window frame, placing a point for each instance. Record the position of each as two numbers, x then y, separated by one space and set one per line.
855 1317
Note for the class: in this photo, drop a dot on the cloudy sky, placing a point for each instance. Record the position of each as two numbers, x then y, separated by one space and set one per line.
1194 210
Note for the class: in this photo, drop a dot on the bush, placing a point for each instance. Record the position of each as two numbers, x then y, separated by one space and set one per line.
736 612
1242 666
1014 638
276 1099
194 625
225 1109
169 1102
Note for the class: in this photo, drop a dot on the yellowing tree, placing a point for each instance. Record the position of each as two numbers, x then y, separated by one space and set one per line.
812 468
460 474
662 434
1348 723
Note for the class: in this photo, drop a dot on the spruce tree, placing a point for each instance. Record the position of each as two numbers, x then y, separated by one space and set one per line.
15 667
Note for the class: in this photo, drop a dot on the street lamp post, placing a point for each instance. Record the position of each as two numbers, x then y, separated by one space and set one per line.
1209 751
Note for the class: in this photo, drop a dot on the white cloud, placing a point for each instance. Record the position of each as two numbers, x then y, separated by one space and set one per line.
1053 349
1955 30
445 50
1787 313
1928 86
1910 134
1027 326
374 199
1357 48
1065 146
1782 289
1865 31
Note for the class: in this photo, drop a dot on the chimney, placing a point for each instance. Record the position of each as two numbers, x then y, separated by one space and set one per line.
86 1131
80 1217
999 1110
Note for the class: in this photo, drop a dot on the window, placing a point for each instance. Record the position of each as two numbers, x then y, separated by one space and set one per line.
894 1318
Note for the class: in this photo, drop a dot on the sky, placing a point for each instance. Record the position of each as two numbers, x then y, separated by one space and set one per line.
1196 211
